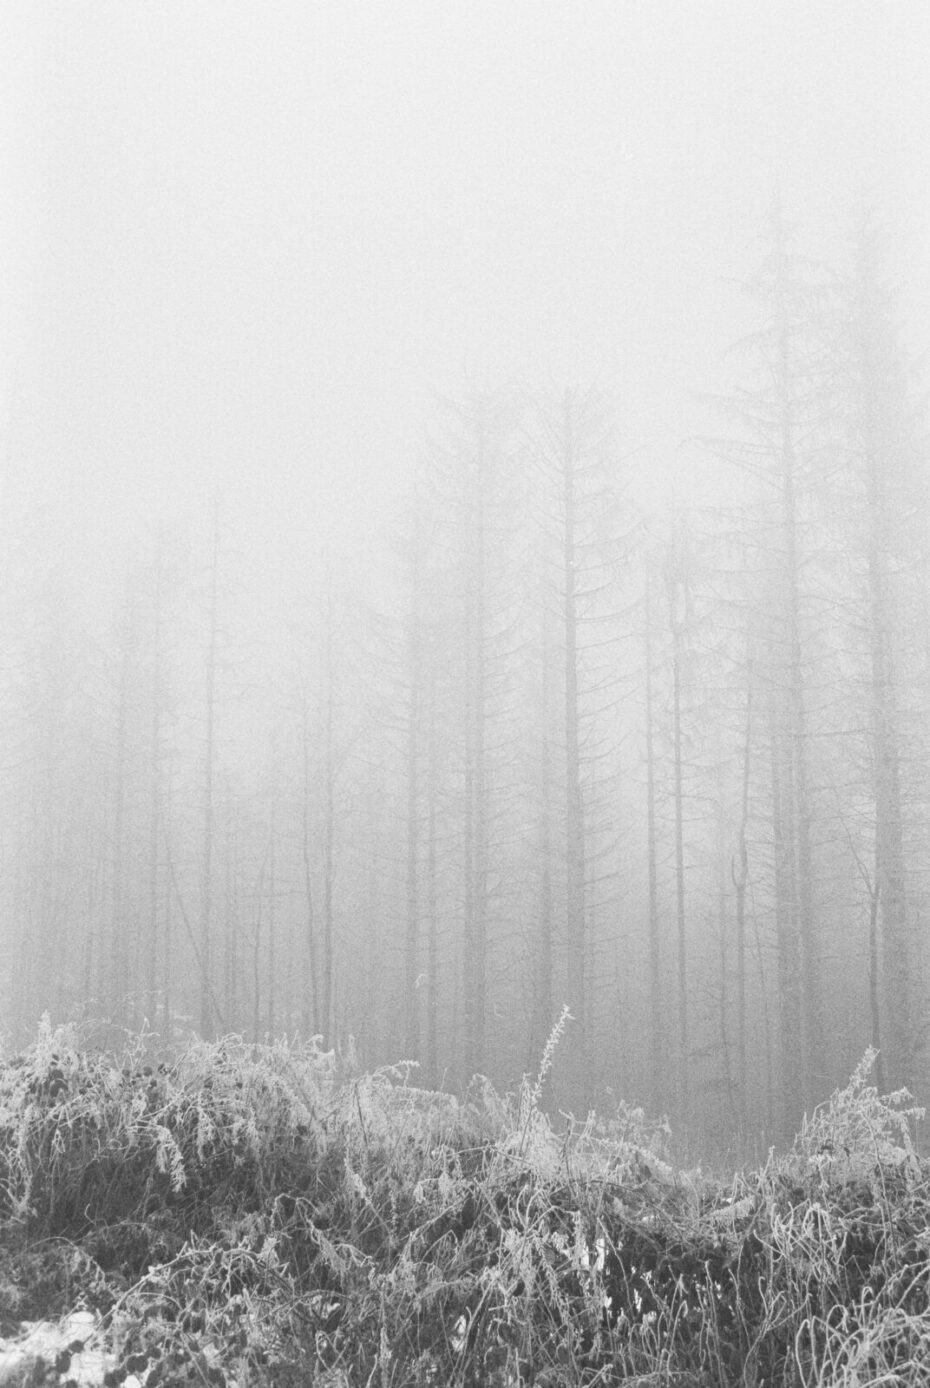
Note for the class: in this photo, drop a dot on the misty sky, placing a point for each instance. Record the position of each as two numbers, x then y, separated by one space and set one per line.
243 242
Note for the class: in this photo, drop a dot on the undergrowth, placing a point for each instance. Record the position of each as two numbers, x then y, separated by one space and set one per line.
247 1214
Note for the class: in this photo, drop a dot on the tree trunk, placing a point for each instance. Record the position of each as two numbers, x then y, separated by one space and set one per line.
329 840
432 904
310 995
476 786
658 1087
740 883
119 923
412 934
156 721
890 880
574 795
207 1018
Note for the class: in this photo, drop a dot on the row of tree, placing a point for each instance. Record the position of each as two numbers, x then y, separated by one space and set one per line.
670 770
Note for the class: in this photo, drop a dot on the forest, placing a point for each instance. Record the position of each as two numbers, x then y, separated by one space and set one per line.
665 767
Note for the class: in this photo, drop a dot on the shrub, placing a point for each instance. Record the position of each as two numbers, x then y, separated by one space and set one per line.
242 1213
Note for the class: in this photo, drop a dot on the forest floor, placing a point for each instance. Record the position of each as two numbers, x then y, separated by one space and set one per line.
244 1215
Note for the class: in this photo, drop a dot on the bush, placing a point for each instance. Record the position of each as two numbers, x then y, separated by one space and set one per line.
246 1214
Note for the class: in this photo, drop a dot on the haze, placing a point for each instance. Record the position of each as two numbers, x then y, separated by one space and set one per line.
248 248
243 245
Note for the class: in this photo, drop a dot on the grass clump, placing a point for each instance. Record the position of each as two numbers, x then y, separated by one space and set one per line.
245 1214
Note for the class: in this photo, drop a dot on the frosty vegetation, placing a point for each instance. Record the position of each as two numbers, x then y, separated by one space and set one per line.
245 1214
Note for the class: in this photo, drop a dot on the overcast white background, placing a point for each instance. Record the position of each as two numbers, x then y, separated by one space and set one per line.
243 242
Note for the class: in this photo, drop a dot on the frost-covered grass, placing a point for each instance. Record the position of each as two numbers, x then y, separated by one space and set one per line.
246 1214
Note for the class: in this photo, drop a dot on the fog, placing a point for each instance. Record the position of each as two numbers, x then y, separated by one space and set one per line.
247 254
244 246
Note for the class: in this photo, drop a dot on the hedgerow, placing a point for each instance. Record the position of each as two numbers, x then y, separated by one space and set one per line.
249 1214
